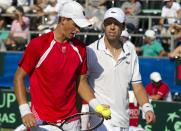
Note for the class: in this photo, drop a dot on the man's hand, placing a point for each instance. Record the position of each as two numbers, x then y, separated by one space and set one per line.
104 110
150 117
29 120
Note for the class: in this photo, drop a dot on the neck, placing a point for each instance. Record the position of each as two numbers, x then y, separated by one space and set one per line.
114 47
113 44
59 35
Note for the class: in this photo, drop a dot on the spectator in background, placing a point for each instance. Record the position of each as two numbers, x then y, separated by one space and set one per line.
37 8
175 28
157 89
3 35
132 8
39 5
4 5
169 9
176 53
19 31
50 12
95 12
151 47
125 37
25 4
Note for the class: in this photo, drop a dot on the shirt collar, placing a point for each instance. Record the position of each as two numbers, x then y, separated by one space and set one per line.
102 47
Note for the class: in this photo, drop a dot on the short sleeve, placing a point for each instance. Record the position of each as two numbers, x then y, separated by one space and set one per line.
136 78
163 90
30 57
83 69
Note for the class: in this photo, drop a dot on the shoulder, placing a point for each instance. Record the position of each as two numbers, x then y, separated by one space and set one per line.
43 39
149 85
79 45
164 8
78 42
41 42
165 85
129 44
93 45
176 5
157 42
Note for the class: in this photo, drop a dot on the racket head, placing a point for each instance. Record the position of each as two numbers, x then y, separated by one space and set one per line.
93 121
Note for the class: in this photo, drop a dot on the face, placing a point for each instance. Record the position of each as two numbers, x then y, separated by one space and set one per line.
1 23
156 83
69 28
113 29
147 40
169 3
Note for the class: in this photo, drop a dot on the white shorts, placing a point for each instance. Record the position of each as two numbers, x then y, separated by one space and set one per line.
72 126
107 126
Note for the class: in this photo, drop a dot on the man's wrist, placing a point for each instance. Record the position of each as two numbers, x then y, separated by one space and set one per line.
147 107
93 103
24 109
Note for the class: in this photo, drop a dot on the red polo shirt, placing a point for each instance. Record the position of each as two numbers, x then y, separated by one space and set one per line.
162 90
52 84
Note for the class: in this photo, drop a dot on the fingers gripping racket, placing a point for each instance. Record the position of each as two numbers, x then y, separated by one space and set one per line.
94 121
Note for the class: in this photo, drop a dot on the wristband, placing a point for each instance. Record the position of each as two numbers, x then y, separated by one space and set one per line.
147 107
93 103
24 109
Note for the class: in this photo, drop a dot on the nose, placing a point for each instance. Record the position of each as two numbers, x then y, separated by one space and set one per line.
112 25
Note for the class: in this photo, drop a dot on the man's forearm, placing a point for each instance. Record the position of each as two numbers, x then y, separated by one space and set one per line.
140 94
19 87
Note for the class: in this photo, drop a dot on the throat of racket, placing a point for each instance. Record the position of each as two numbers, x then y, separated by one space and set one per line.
86 121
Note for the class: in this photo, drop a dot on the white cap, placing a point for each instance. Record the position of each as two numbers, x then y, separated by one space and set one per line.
166 0
116 13
125 33
155 76
150 33
75 11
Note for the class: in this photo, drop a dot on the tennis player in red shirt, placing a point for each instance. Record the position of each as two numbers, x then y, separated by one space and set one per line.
56 63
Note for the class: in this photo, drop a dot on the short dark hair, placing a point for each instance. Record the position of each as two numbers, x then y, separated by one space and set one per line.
20 8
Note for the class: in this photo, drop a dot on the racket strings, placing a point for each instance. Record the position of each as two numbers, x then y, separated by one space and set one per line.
94 121
82 122
72 123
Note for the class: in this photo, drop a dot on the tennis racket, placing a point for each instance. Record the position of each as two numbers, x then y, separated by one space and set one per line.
93 121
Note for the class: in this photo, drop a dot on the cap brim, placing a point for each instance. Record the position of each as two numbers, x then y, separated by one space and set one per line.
121 22
82 22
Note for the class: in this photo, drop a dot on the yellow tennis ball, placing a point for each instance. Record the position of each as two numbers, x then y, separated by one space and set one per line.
106 113
99 108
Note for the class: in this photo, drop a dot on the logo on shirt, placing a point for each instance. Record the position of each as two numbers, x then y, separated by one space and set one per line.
63 49
127 62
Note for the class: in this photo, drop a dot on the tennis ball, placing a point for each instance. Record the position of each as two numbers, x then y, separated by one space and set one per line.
106 113
99 108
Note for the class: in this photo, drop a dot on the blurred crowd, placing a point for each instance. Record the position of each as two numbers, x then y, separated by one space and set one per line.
21 20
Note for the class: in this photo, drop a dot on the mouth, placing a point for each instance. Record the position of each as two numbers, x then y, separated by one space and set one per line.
112 33
72 35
